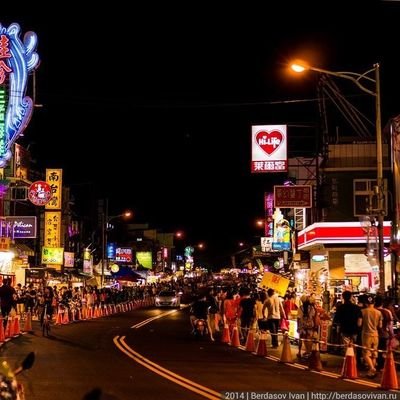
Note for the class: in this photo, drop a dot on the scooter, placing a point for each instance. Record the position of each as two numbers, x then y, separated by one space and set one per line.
10 388
200 327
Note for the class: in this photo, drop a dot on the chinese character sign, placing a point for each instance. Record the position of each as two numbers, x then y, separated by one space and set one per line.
298 196
3 104
274 281
269 210
123 254
17 60
52 255
269 148
54 179
52 229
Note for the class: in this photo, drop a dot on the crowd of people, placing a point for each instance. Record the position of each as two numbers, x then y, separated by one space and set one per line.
20 299
369 324
367 321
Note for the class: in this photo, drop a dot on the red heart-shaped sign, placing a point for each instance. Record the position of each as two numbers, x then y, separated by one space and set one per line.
269 141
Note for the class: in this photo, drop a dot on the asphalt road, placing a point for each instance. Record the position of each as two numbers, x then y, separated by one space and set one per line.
156 359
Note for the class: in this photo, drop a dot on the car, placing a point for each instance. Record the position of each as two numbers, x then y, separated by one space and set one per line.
168 298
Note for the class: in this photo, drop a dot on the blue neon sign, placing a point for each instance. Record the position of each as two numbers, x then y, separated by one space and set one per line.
17 60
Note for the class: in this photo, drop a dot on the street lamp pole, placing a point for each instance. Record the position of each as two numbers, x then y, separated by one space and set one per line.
359 80
105 220
103 246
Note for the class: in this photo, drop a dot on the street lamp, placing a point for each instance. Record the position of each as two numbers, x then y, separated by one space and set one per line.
105 225
359 80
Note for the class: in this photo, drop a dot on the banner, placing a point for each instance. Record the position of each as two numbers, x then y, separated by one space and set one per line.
54 179
52 255
274 281
52 229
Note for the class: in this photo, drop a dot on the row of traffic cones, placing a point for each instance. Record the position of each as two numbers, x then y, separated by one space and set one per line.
65 316
349 369
233 339
10 328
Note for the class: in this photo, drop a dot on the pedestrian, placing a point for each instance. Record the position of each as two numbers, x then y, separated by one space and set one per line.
371 323
275 313
305 325
347 317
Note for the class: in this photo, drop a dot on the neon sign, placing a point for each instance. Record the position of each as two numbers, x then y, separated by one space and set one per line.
17 59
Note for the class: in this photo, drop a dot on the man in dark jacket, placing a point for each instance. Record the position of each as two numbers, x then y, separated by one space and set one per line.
347 317
7 299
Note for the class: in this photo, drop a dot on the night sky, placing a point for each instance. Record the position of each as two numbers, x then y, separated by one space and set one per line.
153 107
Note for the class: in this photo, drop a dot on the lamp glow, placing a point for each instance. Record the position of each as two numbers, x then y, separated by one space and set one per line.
297 68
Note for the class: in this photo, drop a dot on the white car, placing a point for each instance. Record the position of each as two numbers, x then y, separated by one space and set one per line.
168 298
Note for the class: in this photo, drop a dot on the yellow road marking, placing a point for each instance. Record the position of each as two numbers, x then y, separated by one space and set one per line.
159 370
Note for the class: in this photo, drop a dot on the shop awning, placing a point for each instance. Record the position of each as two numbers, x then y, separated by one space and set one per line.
127 274
339 233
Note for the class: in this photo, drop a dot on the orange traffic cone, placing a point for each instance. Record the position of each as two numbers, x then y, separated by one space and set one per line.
28 322
10 321
314 362
2 335
17 330
225 335
59 318
262 345
349 370
250 344
7 331
65 319
389 375
235 342
286 355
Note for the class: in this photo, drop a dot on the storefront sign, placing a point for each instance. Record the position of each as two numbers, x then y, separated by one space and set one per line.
299 196
269 148
144 259
52 255
123 255
22 227
52 229
54 180
5 243
39 193
336 233
69 259
17 60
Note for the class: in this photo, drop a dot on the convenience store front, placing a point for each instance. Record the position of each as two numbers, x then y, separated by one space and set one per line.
338 252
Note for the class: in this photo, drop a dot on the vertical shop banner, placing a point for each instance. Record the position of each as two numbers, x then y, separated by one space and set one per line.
54 179
52 229
269 211
69 259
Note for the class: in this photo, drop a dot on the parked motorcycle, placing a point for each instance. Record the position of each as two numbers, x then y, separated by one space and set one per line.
10 388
